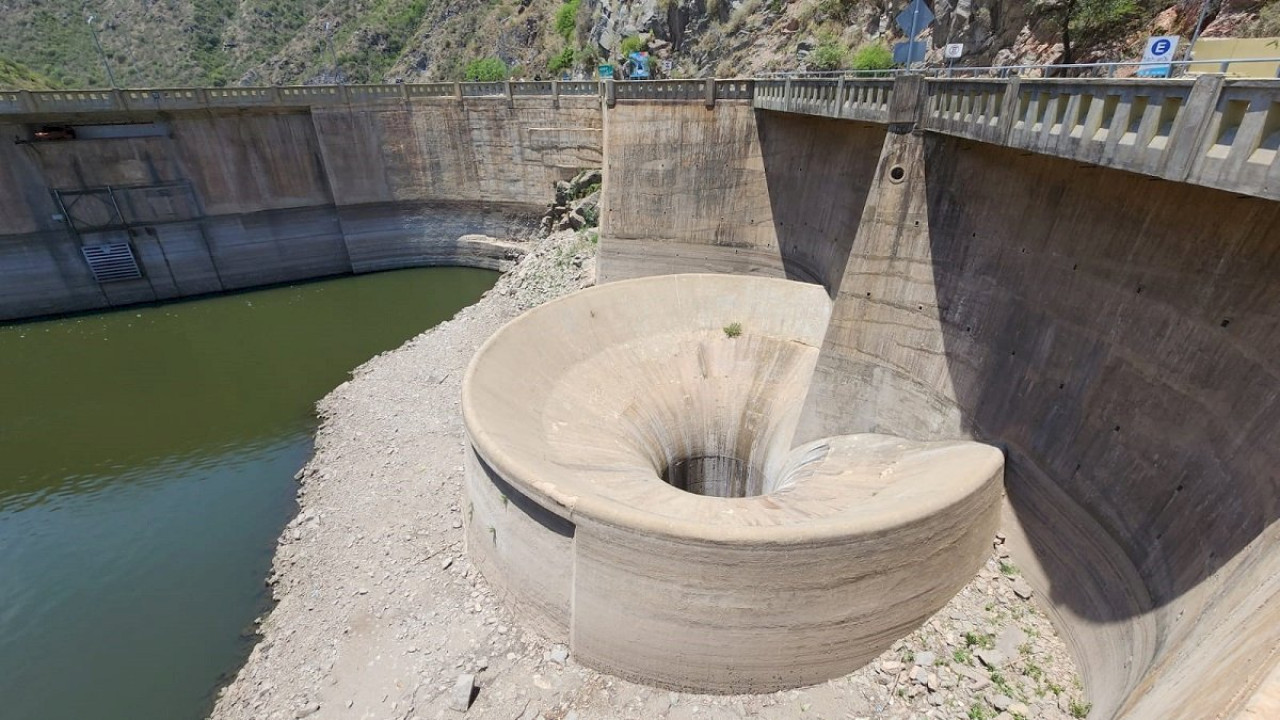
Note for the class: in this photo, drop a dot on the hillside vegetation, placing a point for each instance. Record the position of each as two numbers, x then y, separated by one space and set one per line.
249 42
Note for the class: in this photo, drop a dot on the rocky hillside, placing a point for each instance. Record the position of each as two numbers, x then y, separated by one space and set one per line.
221 42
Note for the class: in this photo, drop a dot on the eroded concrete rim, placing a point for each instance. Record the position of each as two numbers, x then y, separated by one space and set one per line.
574 498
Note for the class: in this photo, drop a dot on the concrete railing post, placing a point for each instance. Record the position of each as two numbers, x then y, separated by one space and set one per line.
610 93
457 91
26 102
786 95
511 101
1186 138
709 93
555 94
839 107
1009 108
904 103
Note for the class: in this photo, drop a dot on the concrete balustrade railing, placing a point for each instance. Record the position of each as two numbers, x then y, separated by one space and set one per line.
850 99
21 102
1208 131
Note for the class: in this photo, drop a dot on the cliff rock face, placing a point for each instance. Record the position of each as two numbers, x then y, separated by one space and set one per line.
253 42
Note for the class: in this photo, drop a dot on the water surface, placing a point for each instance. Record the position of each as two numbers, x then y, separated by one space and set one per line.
146 468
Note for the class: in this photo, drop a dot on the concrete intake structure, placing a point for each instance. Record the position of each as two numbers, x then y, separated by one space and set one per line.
633 490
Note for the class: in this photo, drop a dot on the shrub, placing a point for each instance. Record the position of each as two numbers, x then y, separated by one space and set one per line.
567 19
634 43
489 69
733 330
1080 709
829 55
564 60
873 56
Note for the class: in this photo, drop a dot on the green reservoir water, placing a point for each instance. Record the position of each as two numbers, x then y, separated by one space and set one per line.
146 467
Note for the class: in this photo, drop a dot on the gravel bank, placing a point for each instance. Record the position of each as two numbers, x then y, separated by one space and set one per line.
379 611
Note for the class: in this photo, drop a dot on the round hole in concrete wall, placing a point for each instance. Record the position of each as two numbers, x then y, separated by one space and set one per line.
715 476
897 173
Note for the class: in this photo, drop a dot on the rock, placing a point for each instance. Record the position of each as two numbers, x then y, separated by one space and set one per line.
892 667
1009 640
1001 702
1019 709
925 658
919 675
460 695
307 710
933 683
559 654
1022 589
990 658
584 180
575 221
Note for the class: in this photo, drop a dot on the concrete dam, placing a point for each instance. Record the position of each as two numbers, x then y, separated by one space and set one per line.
1080 273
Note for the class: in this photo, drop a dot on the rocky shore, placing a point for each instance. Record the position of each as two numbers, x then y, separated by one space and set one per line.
380 615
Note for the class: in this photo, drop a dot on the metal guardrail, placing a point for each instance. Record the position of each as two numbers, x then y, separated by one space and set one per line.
1072 70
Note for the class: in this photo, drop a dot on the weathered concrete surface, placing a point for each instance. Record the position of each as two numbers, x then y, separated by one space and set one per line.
576 410
1117 336
732 190
238 199
1115 333
685 189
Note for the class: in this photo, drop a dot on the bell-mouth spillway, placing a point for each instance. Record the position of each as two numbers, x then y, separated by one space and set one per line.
633 490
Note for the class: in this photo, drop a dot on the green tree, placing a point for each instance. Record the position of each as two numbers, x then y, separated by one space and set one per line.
489 69
1088 22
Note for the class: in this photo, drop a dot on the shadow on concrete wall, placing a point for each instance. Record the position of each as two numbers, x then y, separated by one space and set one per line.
808 163
1119 337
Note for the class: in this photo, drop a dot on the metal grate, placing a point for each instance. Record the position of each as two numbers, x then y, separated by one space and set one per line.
112 262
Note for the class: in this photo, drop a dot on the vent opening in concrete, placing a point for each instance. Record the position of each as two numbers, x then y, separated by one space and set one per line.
715 476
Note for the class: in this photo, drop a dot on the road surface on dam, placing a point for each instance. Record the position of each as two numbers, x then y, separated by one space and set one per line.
148 457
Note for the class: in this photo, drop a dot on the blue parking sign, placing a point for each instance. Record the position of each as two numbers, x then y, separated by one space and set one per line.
1157 58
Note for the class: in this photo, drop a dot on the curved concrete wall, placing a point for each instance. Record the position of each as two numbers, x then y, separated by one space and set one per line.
574 410
220 200
1118 336
730 189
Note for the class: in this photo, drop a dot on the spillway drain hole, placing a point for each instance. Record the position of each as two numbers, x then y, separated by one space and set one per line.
897 173
715 476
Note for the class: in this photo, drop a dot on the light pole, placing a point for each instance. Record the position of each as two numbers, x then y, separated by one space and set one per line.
110 77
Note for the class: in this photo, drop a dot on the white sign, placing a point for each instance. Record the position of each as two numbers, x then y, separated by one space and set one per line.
953 51
1158 55
667 65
